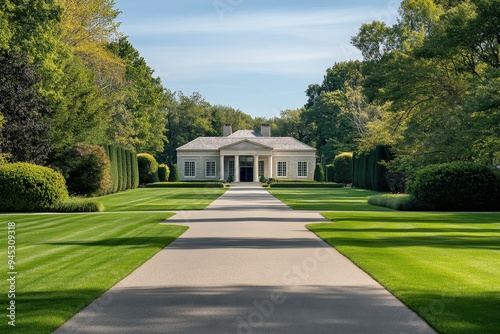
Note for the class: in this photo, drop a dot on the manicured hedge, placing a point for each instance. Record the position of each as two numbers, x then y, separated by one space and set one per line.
330 173
148 168
457 186
306 185
30 188
174 174
78 205
163 173
186 185
319 173
342 165
402 202
124 168
368 173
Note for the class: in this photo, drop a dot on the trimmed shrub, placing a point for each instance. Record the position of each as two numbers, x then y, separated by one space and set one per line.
128 160
343 168
87 169
163 173
174 174
457 186
76 204
113 156
135 171
262 179
402 202
30 188
122 169
330 172
305 184
319 174
148 168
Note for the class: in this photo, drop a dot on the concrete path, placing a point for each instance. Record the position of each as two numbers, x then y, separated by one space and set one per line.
247 265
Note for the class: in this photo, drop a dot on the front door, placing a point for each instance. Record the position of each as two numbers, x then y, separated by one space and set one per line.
246 174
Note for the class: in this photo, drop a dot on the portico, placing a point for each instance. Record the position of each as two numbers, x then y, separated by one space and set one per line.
245 156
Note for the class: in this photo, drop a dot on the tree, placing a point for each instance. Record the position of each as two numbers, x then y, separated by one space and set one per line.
145 103
25 134
438 83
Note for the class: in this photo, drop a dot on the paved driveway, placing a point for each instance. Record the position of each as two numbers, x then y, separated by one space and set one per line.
247 265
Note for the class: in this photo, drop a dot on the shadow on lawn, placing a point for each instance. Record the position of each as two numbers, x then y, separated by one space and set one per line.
136 242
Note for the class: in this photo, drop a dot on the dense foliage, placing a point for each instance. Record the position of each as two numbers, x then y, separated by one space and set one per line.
319 173
457 186
342 166
86 168
148 168
163 173
30 188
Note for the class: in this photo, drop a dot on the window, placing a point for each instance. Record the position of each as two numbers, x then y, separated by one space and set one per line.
210 169
302 169
281 168
231 168
189 169
261 168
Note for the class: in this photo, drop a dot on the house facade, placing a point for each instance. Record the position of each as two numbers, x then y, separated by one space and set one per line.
245 156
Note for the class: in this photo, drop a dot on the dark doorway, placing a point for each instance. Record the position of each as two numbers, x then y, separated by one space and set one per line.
246 174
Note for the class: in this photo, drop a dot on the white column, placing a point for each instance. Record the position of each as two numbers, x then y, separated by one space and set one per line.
221 167
236 168
270 167
255 168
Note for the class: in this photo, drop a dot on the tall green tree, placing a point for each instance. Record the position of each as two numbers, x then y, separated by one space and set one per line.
145 103
25 133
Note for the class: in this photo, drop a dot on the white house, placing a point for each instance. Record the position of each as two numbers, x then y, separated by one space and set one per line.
246 155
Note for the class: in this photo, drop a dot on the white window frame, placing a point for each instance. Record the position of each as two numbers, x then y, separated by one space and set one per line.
207 168
279 169
302 169
231 168
261 168
188 169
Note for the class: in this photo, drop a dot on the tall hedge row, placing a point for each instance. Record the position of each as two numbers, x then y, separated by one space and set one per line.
368 173
124 170
457 186
342 166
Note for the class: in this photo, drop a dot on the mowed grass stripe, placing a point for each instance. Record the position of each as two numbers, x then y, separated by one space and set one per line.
326 199
161 199
442 265
65 261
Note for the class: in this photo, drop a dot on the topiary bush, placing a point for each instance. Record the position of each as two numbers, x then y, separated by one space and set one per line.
457 186
163 173
319 174
342 165
87 169
330 172
30 188
77 204
148 168
174 174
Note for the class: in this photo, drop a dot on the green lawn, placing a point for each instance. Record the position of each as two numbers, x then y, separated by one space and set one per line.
161 199
445 266
327 199
65 261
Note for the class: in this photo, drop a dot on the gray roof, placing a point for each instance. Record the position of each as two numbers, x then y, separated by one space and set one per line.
215 143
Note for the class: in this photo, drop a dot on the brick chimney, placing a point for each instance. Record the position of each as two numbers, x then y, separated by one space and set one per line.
265 130
228 129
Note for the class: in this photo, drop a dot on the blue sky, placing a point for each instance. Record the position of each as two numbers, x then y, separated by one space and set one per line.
254 55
